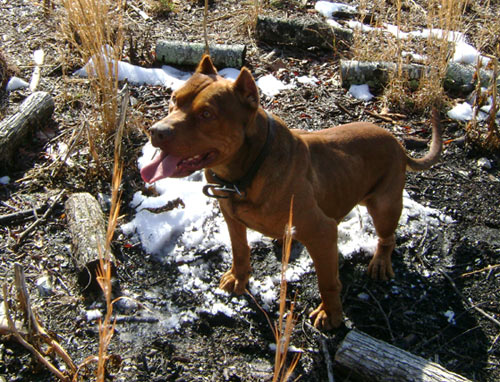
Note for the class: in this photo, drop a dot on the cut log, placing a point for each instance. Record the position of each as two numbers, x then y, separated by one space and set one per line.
375 74
374 360
303 32
459 78
34 111
189 53
87 227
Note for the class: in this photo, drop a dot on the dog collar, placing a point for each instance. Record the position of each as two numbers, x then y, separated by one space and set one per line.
239 187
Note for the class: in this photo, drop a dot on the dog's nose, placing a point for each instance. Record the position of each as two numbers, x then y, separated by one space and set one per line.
161 133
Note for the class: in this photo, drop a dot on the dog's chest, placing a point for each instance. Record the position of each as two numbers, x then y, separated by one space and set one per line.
260 219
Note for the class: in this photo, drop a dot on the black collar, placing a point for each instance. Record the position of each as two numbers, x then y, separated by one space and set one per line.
239 186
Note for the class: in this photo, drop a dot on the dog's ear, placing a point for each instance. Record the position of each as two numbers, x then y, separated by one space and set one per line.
206 66
245 85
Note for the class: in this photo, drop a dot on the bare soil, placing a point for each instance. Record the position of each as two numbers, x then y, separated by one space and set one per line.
431 268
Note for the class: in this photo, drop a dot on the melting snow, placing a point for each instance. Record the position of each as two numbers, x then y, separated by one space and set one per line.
180 237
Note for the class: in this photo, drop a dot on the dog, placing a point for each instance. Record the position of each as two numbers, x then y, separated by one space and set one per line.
255 165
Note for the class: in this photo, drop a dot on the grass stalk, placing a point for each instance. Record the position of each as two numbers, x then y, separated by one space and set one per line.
283 329
95 30
104 274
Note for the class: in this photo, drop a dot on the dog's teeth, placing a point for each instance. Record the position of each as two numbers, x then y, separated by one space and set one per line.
154 154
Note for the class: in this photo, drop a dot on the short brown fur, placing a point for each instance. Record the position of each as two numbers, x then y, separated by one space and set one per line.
327 172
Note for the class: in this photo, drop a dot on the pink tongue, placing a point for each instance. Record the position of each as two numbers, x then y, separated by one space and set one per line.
162 166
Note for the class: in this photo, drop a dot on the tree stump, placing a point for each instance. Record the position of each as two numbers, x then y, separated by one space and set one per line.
375 360
189 53
87 227
303 32
34 111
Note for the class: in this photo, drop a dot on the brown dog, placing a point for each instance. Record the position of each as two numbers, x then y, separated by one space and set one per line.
255 164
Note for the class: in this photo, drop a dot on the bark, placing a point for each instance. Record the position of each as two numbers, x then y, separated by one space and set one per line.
303 32
374 360
189 53
34 111
87 227
460 79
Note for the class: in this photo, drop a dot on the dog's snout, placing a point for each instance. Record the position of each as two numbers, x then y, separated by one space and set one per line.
160 133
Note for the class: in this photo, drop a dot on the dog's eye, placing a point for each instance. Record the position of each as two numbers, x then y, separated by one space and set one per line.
206 114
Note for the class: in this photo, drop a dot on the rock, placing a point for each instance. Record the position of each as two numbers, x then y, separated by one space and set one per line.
484 163
44 285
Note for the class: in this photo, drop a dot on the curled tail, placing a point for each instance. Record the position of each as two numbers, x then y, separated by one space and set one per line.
435 150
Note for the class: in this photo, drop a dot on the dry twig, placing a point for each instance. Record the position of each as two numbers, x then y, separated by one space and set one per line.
468 301
37 222
36 333
489 268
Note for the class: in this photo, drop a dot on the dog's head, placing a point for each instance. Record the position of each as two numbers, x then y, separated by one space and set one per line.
205 125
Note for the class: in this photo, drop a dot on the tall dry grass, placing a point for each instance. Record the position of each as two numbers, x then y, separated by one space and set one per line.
104 275
434 51
287 320
94 28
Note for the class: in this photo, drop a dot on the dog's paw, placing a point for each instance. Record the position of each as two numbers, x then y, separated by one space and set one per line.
379 269
323 320
231 284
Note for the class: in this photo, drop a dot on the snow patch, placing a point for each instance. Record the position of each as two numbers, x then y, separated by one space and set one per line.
361 92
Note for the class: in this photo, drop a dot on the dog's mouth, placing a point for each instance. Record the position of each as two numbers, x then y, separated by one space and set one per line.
163 165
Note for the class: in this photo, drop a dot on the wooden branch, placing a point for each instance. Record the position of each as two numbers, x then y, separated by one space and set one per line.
21 215
375 360
87 227
302 32
35 328
189 53
34 111
468 301
17 335
459 78
36 332
37 222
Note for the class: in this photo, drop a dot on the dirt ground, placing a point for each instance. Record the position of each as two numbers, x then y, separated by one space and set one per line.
432 308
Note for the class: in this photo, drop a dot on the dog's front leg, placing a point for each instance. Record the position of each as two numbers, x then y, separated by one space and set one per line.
236 279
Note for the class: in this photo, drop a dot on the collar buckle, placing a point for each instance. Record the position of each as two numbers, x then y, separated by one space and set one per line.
209 189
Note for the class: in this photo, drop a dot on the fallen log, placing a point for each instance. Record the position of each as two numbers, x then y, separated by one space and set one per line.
34 111
460 79
374 360
189 53
303 32
87 227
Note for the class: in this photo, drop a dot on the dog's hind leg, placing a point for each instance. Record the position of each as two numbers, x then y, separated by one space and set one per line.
385 213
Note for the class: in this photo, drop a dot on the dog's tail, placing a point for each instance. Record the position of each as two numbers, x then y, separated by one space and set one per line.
434 152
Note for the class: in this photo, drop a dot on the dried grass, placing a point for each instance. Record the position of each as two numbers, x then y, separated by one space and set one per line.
95 30
283 329
379 45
